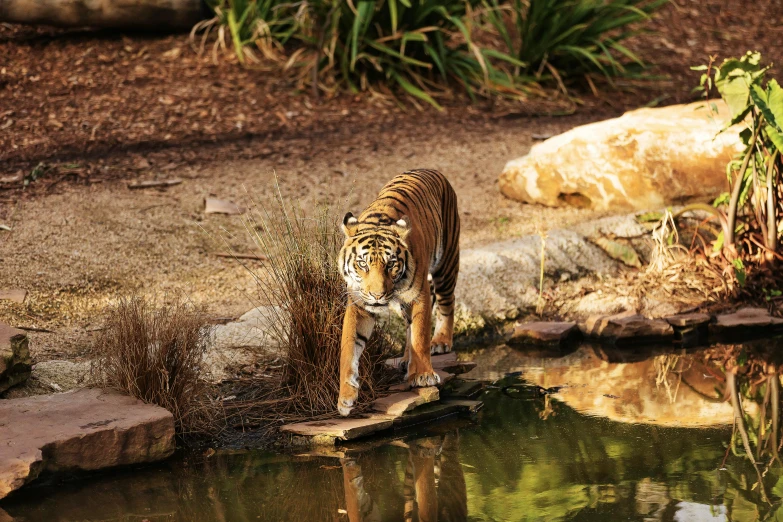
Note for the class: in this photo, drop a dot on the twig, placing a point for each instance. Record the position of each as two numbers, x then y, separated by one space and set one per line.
34 329
154 183
257 257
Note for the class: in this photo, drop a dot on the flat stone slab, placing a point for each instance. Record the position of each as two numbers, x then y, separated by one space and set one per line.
542 332
330 430
398 403
747 317
15 361
745 321
688 320
88 429
627 326
437 410
446 362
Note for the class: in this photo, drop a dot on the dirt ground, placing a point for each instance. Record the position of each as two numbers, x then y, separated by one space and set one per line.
97 110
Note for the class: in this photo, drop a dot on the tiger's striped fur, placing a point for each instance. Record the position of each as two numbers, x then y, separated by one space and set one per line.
407 239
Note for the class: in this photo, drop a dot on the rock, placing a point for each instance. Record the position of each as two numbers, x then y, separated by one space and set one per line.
88 429
239 343
17 295
647 158
436 410
15 360
499 280
52 376
446 376
328 431
690 329
627 326
542 332
465 388
745 322
219 206
688 320
398 403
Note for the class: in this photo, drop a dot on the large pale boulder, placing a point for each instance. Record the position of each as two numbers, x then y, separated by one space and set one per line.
88 429
15 361
647 158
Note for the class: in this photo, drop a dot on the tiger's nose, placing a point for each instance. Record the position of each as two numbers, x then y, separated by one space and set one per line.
376 295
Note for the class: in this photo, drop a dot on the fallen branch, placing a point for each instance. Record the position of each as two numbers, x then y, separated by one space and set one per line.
154 183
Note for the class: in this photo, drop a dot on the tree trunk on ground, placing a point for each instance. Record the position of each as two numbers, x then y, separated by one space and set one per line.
160 15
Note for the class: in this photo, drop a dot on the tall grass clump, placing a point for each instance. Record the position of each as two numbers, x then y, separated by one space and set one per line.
303 283
567 39
156 354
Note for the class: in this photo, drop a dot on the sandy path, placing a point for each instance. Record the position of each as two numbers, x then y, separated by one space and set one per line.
76 250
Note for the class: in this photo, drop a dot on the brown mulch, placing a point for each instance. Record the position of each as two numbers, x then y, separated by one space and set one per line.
93 105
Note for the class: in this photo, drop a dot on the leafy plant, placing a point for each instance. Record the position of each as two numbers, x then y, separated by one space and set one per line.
573 38
751 214
425 47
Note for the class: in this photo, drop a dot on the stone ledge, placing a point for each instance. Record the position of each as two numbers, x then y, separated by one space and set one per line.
84 430
398 403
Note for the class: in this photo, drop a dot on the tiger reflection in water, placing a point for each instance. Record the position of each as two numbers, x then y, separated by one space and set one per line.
433 488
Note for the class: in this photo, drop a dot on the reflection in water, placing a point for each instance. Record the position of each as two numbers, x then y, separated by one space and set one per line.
611 444
433 487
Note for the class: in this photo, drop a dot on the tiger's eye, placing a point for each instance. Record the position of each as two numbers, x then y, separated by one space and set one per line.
361 264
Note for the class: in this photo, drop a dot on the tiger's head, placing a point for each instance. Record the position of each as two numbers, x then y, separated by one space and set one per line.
375 260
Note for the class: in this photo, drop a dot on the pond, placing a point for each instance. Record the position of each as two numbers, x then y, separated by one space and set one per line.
590 435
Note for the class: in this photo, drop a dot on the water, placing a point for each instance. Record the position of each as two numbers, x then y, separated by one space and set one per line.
609 445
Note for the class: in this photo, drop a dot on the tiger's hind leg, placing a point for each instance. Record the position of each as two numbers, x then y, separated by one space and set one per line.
443 282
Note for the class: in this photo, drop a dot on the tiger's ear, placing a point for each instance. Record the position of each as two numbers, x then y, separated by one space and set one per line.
402 227
349 224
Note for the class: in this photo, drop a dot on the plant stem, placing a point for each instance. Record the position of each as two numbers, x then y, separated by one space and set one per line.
772 226
774 384
737 188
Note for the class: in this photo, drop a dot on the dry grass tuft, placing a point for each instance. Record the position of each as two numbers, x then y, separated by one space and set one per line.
679 273
303 282
155 353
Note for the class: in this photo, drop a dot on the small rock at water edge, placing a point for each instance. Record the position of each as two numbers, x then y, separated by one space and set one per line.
542 332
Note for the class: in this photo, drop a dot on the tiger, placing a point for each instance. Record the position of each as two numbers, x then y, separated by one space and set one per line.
401 253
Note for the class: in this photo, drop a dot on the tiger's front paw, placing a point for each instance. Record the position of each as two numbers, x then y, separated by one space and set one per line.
423 379
347 400
437 348
440 344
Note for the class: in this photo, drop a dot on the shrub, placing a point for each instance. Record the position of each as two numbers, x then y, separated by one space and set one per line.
751 215
303 282
572 38
425 47
155 353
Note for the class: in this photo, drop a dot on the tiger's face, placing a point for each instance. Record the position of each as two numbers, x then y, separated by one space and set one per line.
374 261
